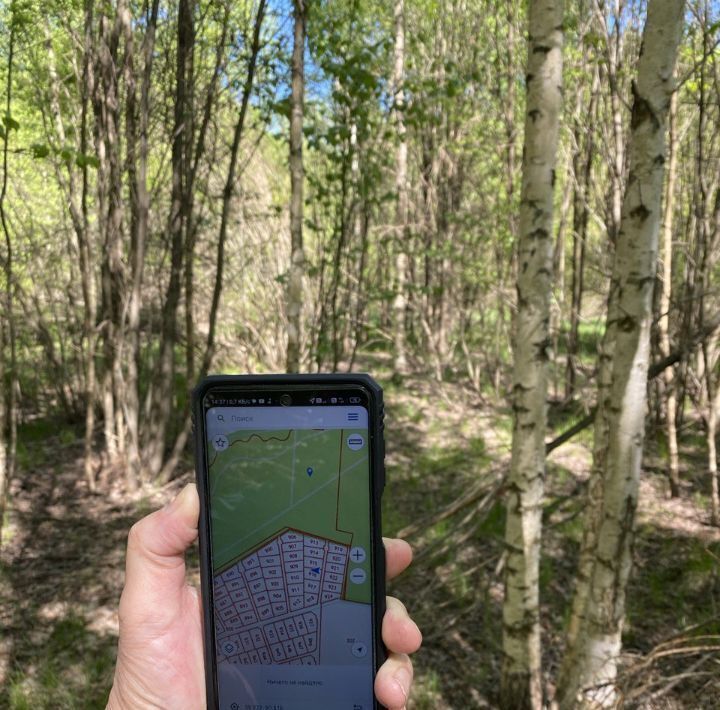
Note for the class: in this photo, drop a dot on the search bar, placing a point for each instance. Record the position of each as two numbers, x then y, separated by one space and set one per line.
225 420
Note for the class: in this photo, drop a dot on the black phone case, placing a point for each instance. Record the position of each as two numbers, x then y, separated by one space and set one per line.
376 430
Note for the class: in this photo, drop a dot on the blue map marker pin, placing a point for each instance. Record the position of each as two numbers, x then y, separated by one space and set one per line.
309 471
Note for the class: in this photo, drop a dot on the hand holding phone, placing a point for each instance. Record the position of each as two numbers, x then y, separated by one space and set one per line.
160 650
290 473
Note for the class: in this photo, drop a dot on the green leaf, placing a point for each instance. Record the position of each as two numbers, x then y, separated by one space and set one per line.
10 123
84 161
39 150
282 107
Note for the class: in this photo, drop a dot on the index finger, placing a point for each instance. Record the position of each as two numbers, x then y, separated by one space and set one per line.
398 555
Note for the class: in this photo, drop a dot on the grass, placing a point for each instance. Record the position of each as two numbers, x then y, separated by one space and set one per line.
32 436
438 449
73 667
676 577
590 334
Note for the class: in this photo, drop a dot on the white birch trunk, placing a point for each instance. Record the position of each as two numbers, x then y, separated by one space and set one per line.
665 302
521 685
594 637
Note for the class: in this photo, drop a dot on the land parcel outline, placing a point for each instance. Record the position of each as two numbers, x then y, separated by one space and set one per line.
305 479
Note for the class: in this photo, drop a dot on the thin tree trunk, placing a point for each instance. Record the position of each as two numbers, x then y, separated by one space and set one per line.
614 57
505 38
191 226
140 210
521 684
706 247
401 213
8 412
110 202
229 189
581 213
712 453
80 220
665 302
130 408
360 293
713 403
86 255
297 255
594 636
163 392
557 306
341 231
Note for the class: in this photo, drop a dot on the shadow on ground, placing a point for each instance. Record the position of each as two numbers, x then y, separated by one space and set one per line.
62 566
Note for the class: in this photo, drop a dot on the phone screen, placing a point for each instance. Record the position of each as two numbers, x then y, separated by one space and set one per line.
289 494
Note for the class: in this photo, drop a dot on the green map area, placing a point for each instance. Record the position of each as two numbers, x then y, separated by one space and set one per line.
263 482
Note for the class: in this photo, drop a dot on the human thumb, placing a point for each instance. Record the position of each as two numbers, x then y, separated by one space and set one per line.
155 563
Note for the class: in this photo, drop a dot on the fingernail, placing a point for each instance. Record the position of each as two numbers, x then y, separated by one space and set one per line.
402 678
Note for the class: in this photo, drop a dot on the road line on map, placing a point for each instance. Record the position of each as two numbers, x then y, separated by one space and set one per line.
282 453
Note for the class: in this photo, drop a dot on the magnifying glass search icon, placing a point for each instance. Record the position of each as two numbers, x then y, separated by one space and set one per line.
221 418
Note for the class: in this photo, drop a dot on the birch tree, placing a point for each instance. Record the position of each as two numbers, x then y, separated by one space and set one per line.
594 637
665 302
521 679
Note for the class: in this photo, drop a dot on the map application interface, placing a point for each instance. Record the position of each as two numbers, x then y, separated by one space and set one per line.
289 491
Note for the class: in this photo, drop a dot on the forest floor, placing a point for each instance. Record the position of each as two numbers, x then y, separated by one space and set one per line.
62 561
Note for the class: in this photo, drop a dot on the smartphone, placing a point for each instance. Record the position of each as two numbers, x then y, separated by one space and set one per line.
290 471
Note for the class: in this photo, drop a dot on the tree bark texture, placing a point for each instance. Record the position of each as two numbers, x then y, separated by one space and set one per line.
87 255
521 674
297 254
582 167
8 367
162 408
191 226
401 213
594 635
229 189
106 105
137 129
227 195
665 303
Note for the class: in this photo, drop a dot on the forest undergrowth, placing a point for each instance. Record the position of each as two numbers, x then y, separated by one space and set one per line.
448 451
